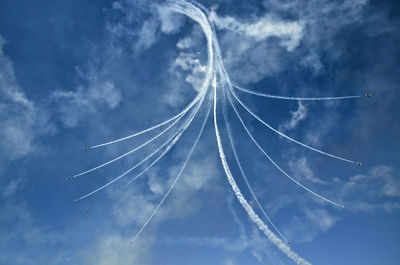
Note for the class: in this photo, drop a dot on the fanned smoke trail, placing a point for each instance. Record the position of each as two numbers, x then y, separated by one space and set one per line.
177 177
172 140
273 162
178 116
247 207
215 69
231 140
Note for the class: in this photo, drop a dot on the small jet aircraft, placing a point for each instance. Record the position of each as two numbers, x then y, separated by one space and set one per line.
358 163
76 200
68 178
85 148
368 95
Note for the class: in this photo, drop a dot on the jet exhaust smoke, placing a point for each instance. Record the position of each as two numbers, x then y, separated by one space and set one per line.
217 77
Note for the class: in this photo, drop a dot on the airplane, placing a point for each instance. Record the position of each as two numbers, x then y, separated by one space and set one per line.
76 200
86 210
68 178
368 95
358 163
85 148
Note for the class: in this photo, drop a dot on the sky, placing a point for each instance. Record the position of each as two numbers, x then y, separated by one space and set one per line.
78 73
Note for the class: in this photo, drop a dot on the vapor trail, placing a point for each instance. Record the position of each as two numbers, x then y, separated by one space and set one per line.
253 216
273 162
198 16
285 136
231 140
215 68
129 152
177 116
292 98
160 156
177 177
174 139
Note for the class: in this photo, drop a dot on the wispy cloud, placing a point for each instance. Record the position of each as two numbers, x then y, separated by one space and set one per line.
115 249
377 190
249 47
310 223
74 106
22 122
245 240
296 116
302 171
265 27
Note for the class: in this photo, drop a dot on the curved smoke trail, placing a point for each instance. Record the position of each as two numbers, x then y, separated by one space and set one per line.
199 16
215 69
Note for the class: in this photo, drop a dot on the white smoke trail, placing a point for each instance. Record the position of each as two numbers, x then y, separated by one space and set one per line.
177 177
292 98
179 115
198 16
215 68
129 152
231 140
191 11
273 162
253 216
174 139
159 157
285 136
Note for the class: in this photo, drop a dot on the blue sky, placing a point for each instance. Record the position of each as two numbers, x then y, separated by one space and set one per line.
77 73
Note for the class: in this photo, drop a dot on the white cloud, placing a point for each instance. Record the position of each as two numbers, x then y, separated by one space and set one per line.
249 61
290 33
147 34
321 218
377 190
12 187
171 22
253 241
296 116
320 127
22 122
302 170
310 223
23 240
86 100
313 62
133 207
142 22
256 48
114 249
190 63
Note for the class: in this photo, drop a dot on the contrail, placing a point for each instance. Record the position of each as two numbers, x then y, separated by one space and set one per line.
198 16
273 162
179 115
215 69
292 98
160 156
284 135
231 140
174 139
129 152
247 207
177 177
